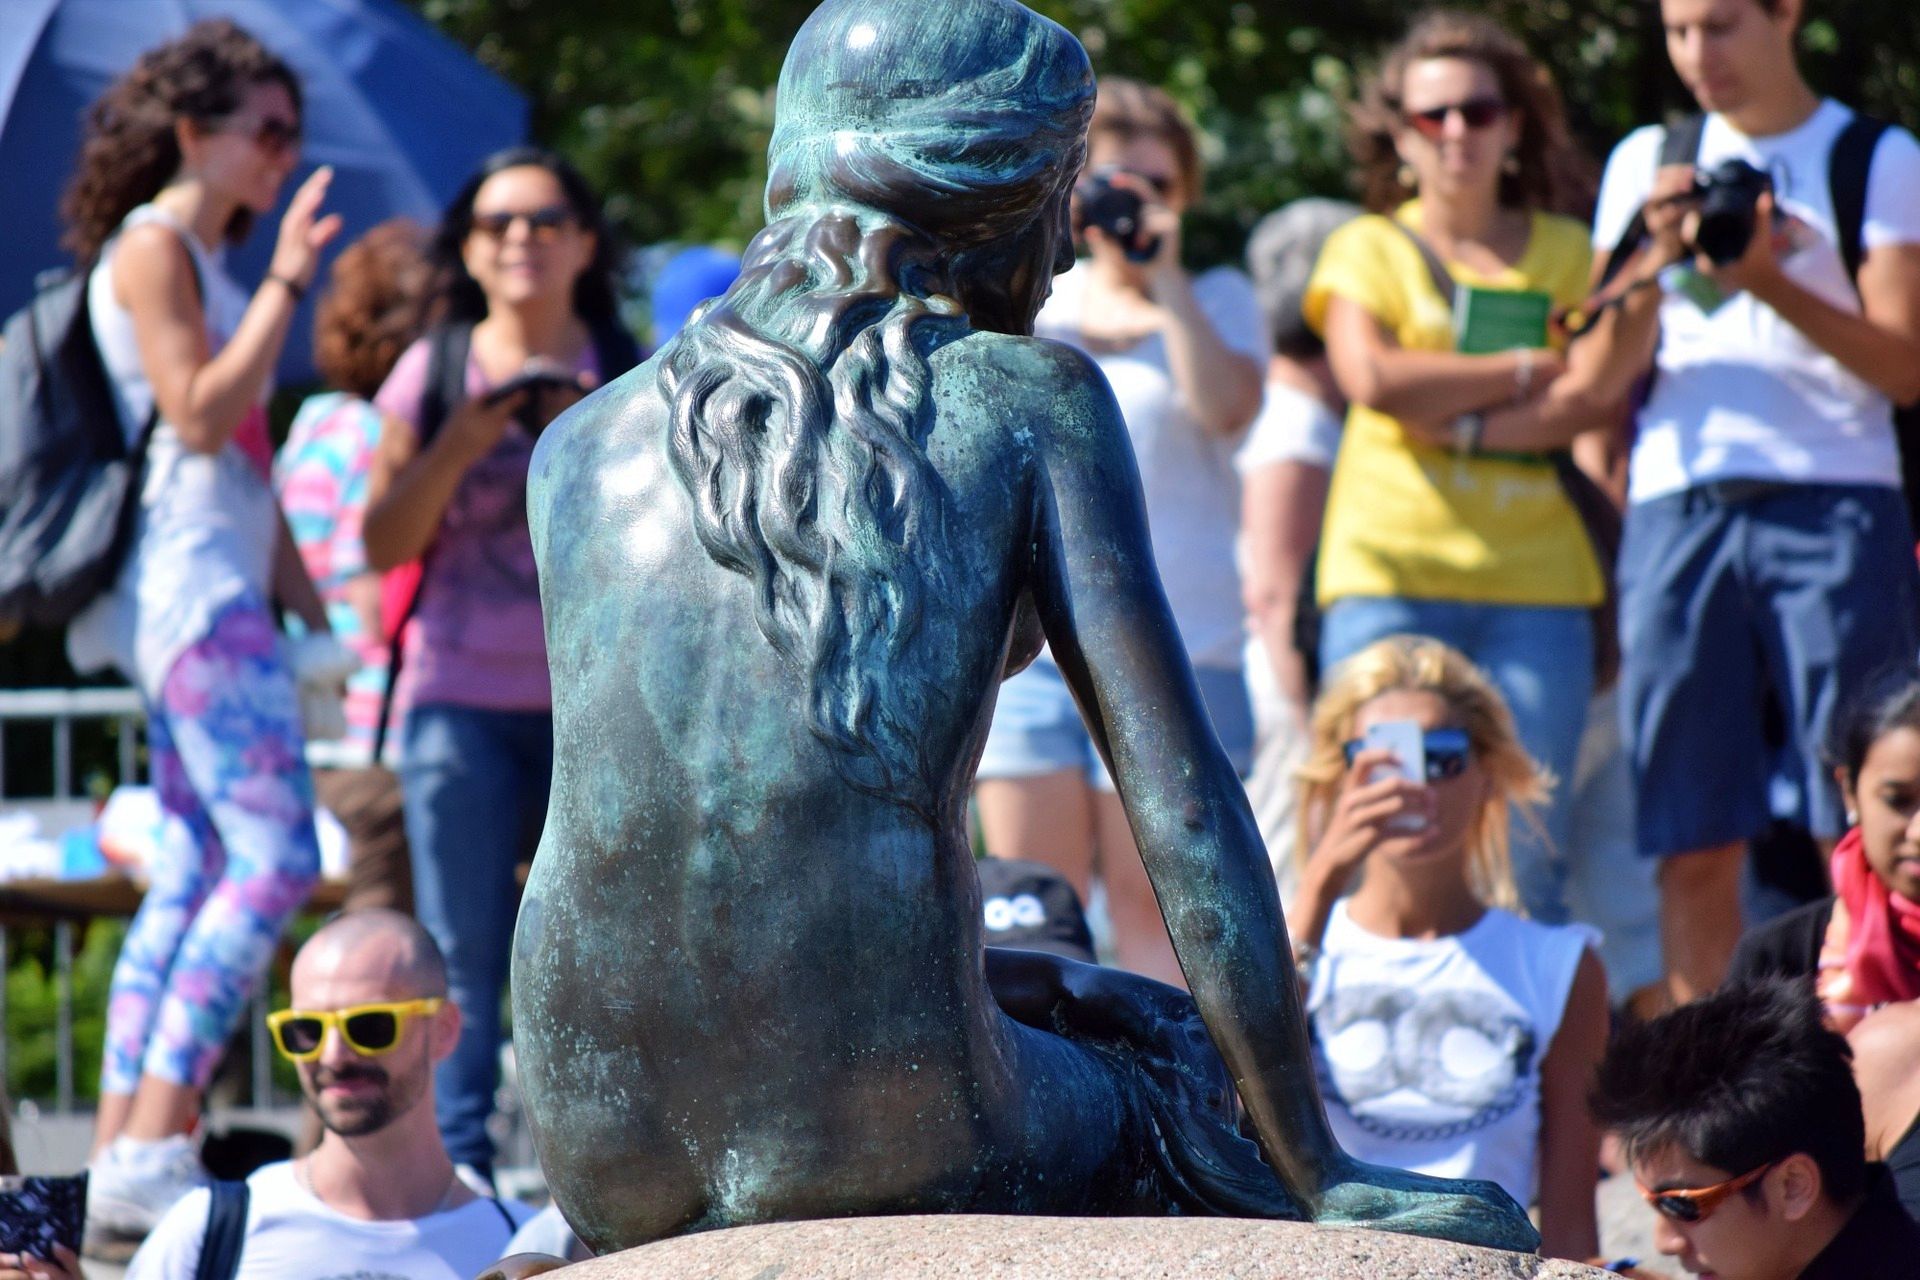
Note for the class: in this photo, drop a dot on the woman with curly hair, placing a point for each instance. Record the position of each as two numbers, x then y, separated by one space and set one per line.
1451 1035
1436 524
182 153
374 307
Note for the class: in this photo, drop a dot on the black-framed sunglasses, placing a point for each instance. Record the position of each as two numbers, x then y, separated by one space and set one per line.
542 224
1447 750
1478 113
271 134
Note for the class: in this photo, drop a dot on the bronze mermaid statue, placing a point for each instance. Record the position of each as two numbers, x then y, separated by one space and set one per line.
785 565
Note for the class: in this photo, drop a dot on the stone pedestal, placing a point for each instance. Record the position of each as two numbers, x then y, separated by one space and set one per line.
980 1247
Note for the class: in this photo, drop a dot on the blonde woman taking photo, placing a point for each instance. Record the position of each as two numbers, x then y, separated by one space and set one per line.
1451 1035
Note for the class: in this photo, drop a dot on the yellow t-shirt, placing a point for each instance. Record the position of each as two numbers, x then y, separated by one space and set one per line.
1415 520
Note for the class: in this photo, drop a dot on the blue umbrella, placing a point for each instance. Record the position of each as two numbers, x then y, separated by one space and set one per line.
403 115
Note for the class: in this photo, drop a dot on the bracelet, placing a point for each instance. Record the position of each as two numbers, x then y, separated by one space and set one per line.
1466 431
1523 375
294 287
1304 956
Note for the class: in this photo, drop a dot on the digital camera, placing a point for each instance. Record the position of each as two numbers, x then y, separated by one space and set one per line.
1115 210
1728 194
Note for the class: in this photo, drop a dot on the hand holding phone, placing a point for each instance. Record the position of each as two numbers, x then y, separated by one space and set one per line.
1407 742
38 1213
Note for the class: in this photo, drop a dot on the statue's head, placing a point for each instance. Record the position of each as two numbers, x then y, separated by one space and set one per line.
963 119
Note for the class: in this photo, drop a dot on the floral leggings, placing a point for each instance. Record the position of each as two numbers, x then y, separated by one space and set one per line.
238 856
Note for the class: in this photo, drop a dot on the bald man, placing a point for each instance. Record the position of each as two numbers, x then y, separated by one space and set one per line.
378 1197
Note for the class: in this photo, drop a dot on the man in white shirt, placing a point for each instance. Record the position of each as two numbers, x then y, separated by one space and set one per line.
1768 558
378 1197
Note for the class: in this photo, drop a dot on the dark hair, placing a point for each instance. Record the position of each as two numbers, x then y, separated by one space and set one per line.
909 153
1126 109
374 307
1738 1079
130 151
594 297
1553 174
1888 704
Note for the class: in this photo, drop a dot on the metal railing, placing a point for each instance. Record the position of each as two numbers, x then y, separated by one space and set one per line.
62 708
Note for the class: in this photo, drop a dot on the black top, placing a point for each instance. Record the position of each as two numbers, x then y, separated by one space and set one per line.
1903 1162
1787 946
1879 1242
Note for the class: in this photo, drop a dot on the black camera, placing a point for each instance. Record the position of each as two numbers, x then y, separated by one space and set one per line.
1115 210
1728 194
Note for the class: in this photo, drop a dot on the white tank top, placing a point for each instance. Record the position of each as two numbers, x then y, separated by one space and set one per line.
1428 1053
207 522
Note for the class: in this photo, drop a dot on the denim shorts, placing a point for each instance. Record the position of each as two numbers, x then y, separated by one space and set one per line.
1037 727
1740 599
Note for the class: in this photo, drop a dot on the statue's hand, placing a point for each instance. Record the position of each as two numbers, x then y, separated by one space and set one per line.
1464 1210
519 1266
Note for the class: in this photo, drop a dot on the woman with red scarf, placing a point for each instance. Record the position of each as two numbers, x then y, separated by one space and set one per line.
1862 945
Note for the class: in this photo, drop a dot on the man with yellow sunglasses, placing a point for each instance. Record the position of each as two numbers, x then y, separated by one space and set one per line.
369 1020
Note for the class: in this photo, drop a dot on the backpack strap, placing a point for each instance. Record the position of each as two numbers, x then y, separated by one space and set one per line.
1681 144
226 1234
1849 165
446 386
505 1217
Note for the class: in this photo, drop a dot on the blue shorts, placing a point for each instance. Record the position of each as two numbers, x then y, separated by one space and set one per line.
1037 727
1740 597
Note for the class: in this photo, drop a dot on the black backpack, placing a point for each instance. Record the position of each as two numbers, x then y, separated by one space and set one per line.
69 485
1849 165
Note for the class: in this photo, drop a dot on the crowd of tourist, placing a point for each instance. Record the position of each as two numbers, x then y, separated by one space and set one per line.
1442 468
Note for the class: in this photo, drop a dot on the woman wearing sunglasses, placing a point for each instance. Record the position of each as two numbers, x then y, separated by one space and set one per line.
531 323
182 154
1463 149
1184 356
1451 1036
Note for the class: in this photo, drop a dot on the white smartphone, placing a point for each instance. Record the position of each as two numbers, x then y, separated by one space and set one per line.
1407 741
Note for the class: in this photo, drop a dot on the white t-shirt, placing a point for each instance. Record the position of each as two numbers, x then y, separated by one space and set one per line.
1428 1053
207 523
1292 427
291 1235
1742 394
1192 493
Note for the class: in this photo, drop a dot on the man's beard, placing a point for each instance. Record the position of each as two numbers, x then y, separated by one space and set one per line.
360 1114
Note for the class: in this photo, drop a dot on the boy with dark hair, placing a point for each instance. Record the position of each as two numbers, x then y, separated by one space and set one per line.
1742 1126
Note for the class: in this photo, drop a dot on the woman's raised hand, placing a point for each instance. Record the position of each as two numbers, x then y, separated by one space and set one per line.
476 426
1360 816
303 232
64 1265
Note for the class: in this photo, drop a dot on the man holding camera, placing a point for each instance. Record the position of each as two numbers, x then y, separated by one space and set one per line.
1768 561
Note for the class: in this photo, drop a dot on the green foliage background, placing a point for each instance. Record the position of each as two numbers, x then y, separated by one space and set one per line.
667 104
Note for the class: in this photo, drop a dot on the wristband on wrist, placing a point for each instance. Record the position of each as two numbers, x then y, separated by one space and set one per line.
292 286
1466 432
1523 375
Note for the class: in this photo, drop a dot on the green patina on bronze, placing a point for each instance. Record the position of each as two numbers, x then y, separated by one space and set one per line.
785 565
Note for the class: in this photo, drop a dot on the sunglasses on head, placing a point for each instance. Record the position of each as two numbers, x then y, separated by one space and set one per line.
368 1029
1690 1205
1447 752
1477 112
542 224
271 134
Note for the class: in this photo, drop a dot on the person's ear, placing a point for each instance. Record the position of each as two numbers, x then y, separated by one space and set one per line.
1795 1186
1846 795
443 1031
188 135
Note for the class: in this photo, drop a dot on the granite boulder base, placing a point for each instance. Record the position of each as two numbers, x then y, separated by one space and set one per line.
986 1247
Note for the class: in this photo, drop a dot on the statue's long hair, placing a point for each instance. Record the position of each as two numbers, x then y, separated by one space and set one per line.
909 153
